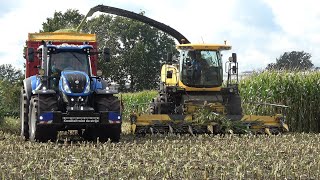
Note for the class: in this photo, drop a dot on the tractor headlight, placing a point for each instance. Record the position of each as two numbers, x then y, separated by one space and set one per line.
65 85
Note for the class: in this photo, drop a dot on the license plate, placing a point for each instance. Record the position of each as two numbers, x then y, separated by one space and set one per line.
80 119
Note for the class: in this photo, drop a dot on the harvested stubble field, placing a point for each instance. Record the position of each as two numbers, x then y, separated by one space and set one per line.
291 156
287 156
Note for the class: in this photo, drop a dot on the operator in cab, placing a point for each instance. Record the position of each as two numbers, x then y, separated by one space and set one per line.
199 66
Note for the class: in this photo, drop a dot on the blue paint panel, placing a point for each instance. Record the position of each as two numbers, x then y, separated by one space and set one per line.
96 84
47 116
34 82
114 116
63 73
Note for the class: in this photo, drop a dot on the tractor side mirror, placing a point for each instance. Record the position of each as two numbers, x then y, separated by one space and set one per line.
169 57
30 54
234 57
106 54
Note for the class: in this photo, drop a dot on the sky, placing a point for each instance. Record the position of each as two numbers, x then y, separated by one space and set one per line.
259 31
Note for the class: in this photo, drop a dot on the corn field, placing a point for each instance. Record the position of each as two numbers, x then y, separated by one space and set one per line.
298 90
136 102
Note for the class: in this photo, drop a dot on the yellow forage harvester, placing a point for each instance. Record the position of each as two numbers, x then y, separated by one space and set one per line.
192 98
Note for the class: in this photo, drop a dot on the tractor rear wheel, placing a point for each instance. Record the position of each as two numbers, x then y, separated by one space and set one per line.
39 132
24 111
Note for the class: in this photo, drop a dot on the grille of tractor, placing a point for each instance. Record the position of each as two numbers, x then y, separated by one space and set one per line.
77 82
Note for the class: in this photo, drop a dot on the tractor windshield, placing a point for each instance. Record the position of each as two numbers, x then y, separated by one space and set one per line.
74 61
201 68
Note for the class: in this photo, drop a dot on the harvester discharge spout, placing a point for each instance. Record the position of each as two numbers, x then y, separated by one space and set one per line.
128 14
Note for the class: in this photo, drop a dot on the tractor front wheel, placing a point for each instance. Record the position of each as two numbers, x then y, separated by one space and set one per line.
104 132
36 131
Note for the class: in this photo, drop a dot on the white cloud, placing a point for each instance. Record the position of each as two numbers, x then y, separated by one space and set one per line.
300 23
259 31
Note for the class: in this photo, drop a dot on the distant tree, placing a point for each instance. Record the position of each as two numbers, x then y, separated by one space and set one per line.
137 50
10 74
68 20
10 85
9 98
294 60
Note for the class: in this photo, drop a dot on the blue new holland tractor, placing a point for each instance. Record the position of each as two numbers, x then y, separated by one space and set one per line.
64 91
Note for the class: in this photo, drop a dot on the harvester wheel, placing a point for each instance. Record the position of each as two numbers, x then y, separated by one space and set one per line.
24 111
37 132
234 105
163 104
153 106
108 103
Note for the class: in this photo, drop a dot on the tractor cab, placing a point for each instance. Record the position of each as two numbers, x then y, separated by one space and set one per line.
69 58
64 59
57 58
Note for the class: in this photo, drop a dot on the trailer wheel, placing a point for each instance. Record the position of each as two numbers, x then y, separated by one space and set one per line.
24 111
38 132
104 132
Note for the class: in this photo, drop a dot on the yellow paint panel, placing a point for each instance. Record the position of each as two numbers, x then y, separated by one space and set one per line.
187 88
148 119
265 119
62 36
169 81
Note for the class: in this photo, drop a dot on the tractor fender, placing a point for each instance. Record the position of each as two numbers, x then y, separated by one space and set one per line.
30 84
104 91
102 87
27 87
96 84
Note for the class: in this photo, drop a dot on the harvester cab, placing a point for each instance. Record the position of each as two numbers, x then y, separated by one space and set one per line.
64 91
193 83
